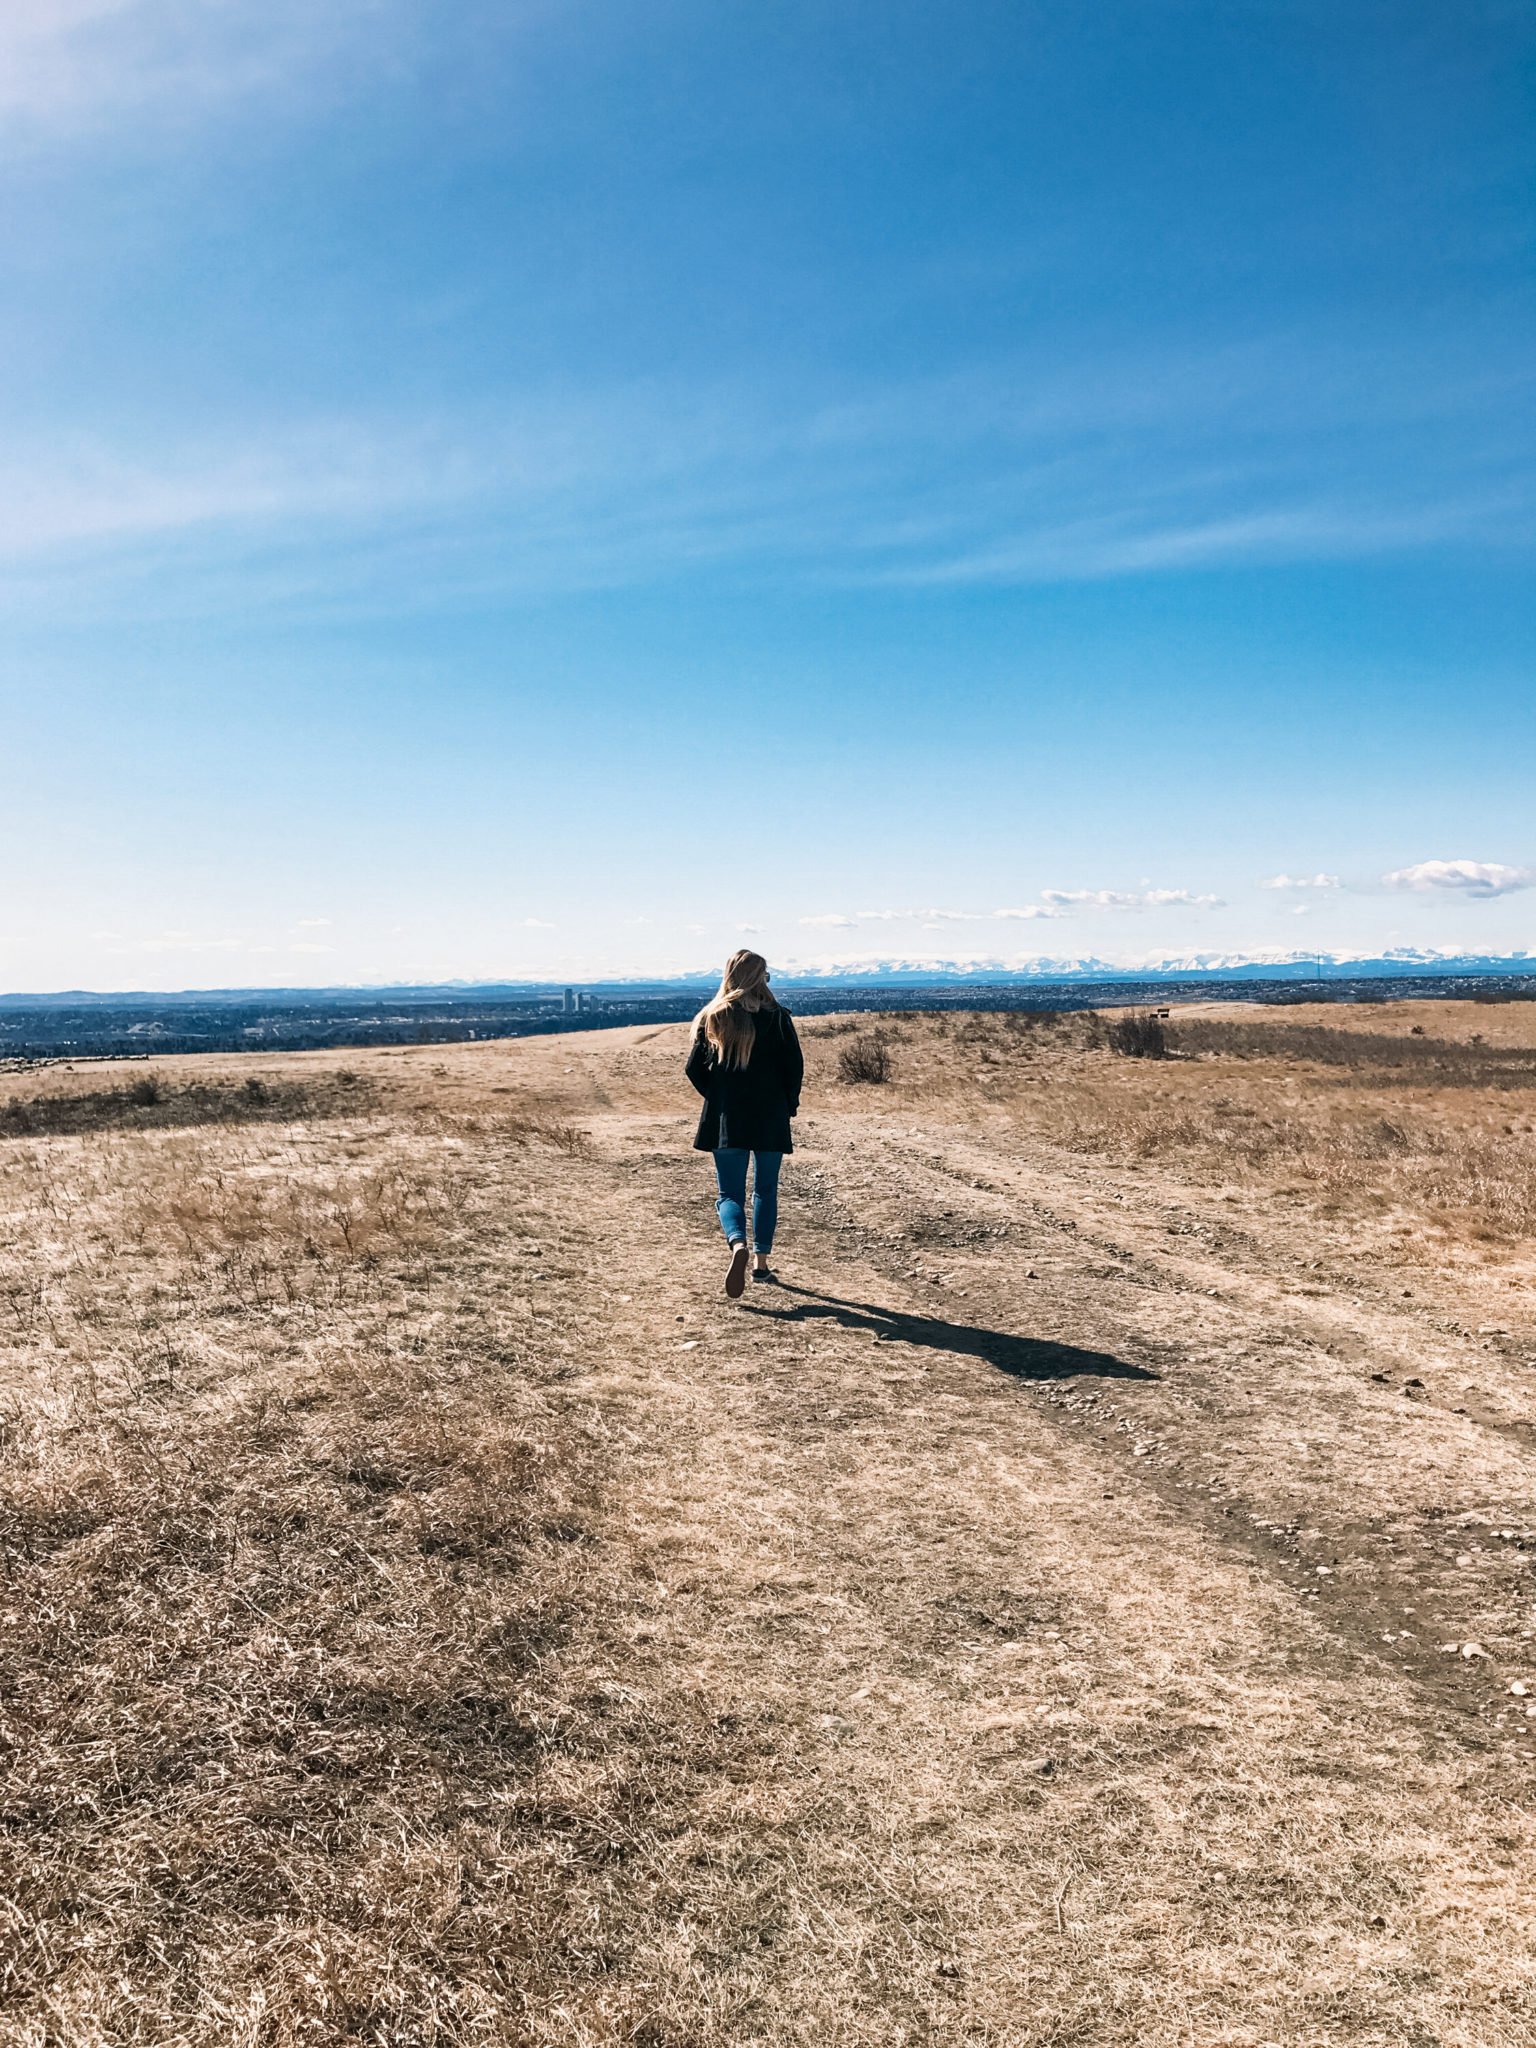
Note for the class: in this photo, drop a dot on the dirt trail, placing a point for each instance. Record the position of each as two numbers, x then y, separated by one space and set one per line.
1072 1590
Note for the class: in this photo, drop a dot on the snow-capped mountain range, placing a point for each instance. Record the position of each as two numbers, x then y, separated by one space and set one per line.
1288 966
892 971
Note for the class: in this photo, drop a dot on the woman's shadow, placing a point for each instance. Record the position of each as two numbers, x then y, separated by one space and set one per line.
1026 1358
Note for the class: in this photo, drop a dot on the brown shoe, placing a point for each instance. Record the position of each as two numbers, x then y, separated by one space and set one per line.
736 1273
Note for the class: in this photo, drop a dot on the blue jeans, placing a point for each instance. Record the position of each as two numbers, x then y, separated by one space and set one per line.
731 1174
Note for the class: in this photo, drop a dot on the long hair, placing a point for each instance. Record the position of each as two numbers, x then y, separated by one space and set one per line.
727 1020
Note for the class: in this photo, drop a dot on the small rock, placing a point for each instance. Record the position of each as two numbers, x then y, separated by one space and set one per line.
1031 1274
691 1345
1471 1650
1519 1688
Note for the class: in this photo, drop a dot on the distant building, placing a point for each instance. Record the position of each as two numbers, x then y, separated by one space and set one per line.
569 1001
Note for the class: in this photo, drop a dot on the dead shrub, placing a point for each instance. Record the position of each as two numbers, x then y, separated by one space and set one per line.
1364 1057
1137 1035
866 1059
150 1103
518 1127
571 1139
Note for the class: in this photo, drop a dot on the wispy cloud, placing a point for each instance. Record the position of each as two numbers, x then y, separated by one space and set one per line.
1053 903
1136 542
173 942
555 489
1121 899
1318 881
1463 878
122 944
94 495
843 920
66 66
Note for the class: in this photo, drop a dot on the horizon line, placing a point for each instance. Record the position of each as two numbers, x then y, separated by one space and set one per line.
870 972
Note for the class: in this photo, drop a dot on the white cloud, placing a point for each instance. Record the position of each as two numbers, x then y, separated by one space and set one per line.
313 924
844 920
1475 878
1063 900
1318 881
536 924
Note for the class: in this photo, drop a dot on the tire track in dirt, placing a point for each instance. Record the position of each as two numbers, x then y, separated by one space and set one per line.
1392 1571
981 1630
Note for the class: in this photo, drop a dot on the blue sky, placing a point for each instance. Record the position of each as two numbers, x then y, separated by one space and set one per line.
529 490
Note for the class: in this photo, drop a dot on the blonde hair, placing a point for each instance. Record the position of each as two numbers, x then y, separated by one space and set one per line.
726 1020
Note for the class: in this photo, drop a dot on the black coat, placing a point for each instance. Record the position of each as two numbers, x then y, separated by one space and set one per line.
749 1106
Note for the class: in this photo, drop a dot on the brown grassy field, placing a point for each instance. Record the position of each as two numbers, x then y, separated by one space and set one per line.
1089 1605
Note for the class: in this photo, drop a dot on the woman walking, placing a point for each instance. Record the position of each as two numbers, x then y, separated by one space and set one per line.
746 1063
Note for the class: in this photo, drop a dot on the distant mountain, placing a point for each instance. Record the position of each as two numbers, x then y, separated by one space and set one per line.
904 972
1291 966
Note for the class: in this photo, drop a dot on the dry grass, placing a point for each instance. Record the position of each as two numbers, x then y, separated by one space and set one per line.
283 1543
1432 1134
428 1626
151 1103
